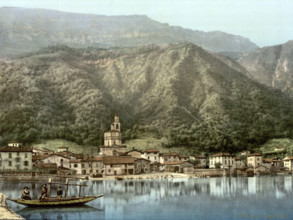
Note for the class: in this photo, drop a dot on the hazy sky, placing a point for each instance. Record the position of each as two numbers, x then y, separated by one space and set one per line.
265 22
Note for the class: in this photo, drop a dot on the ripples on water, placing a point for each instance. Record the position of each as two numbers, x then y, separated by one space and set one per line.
213 198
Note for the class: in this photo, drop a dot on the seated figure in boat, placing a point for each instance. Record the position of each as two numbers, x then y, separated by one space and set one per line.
44 192
26 194
59 192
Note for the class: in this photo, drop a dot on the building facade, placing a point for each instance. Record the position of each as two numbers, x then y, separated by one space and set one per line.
225 160
151 155
14 158
118 165
254 160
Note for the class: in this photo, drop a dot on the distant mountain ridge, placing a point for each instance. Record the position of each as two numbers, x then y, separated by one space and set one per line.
271 66
180 92
24 30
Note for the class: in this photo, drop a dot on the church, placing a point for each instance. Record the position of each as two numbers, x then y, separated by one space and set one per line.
113 141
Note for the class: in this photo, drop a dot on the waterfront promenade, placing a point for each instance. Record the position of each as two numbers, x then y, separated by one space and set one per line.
5 211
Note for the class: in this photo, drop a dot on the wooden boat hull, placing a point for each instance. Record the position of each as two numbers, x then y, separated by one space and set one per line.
56 202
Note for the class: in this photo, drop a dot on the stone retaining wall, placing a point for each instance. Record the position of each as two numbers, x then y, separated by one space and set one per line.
210 172
5 211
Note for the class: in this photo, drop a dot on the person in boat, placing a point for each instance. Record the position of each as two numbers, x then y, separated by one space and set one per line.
59 192
26 194
44 192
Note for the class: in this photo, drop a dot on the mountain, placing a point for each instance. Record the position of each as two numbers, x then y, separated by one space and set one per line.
25 30
271 66
180 92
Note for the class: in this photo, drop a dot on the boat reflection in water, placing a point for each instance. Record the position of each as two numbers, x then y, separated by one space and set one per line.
63 213
263 197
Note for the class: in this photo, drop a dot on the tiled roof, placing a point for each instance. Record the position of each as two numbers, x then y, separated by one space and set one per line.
93 159
199 157
151 151
42 149
135 159
175 163
16 149
183 156
46 165
267 160
222 154
170 154
118 160
114 146
75 161
254 154
38 157
237 158
288 158
42 157
133 151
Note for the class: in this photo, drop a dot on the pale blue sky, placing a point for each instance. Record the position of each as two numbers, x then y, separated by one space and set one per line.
265 22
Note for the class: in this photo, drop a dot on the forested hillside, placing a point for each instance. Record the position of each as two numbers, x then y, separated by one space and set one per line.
180 92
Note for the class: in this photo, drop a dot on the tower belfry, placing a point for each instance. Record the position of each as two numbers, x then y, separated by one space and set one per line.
115 126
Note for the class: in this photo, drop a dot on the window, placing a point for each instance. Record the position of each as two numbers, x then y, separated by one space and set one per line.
25 155
0 163
10 163
17 153
17 159
148 157
75 165
10 155
26 163
82 165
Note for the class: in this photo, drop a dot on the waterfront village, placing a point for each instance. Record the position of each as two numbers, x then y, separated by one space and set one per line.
114 160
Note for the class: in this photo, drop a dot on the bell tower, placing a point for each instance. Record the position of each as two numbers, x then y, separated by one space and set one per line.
115 126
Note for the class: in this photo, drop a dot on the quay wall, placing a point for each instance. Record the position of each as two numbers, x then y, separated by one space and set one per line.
210 172
5 211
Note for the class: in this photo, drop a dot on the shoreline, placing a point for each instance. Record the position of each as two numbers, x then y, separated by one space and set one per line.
146 176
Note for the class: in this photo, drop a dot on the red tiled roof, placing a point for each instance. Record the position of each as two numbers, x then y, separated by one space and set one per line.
16 149
118 160
222 154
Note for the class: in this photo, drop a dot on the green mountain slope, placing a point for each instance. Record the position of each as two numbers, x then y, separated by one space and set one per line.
179 92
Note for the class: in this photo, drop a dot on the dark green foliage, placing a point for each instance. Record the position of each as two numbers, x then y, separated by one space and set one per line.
180 93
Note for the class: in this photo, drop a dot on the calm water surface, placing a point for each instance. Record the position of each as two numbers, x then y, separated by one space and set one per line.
212 198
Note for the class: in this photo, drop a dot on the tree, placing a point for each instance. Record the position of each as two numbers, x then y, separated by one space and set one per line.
218 165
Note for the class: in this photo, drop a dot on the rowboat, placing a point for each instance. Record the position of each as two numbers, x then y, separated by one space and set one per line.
54 202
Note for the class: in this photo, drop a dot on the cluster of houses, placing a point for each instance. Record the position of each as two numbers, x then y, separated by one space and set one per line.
114 159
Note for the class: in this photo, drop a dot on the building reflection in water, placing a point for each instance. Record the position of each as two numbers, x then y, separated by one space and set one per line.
169 198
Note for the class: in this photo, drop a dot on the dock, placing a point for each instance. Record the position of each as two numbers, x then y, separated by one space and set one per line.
5 211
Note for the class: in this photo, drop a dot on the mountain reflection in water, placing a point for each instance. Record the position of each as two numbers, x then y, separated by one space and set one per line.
212 198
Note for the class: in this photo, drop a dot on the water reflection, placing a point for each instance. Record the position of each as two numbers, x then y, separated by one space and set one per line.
213 198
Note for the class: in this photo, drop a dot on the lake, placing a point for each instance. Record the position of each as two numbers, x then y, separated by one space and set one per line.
264 197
